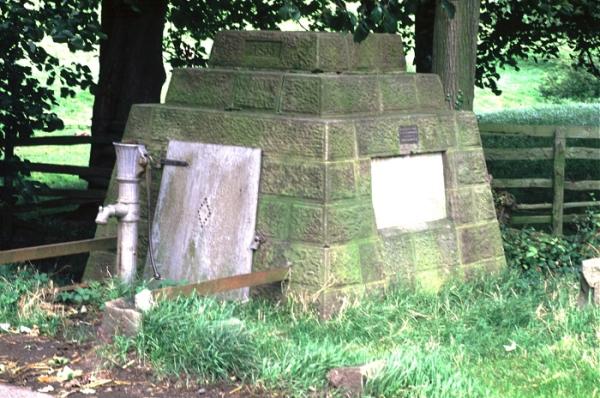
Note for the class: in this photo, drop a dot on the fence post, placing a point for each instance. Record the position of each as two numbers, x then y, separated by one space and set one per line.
560 143
7 194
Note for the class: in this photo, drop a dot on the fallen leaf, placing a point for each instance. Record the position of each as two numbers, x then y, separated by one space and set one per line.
97 383
511 347
25 330
48 388
47 379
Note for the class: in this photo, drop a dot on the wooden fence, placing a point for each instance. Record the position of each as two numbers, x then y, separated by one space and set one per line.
53 198
558 153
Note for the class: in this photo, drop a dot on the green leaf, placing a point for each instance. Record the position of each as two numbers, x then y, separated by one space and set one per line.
361 32
390 23
376 14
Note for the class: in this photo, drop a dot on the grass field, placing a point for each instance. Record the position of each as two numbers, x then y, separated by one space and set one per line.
508 335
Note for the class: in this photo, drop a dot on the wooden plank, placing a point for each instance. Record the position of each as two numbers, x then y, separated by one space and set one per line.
520 220
71 193
583 153
547 206
522 183
223 284
57 140
540 130
534 206
544 219
576 205
560 145
57 250
68 169
48 204
517 153
587 185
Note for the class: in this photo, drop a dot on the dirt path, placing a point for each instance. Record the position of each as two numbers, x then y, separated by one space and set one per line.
46 365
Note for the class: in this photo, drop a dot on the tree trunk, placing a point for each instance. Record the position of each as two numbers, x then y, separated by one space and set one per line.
455 51
424 22
131 71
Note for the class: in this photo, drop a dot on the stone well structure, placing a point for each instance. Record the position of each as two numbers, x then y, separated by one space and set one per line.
324 110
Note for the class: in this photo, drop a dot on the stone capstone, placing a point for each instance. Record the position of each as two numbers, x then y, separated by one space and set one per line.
307 51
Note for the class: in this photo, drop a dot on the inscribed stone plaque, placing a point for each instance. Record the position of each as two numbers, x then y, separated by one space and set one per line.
205 216
408 135
408 191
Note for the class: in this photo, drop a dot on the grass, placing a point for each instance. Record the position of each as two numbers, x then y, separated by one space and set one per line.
511 335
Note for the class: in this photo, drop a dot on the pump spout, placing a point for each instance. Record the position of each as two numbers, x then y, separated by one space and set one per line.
105 212
131 160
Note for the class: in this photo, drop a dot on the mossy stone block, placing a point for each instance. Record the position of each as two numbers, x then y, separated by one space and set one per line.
430 91
483 268
273 218
363 179
371 261
257 91
346 222
300 180
399 256
471 204
307 51
307 140
349 94
377 137
344 265
340 141
341 180
436 133
307 223
204 87
467 130
480 242
468 167
301 94
308 264
435 247
398 91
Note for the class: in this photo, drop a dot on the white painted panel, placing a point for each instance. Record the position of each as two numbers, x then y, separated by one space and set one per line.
408 191
205 216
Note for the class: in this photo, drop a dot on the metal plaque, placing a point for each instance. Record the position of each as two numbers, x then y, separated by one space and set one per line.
204 223
408 135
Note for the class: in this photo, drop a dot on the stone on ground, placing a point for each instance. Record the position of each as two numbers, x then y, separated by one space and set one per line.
352 379
590 282
8 391
120 318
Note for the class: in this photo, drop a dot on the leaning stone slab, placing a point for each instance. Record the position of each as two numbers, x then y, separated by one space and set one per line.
352 379
9 391
120 318
590 282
